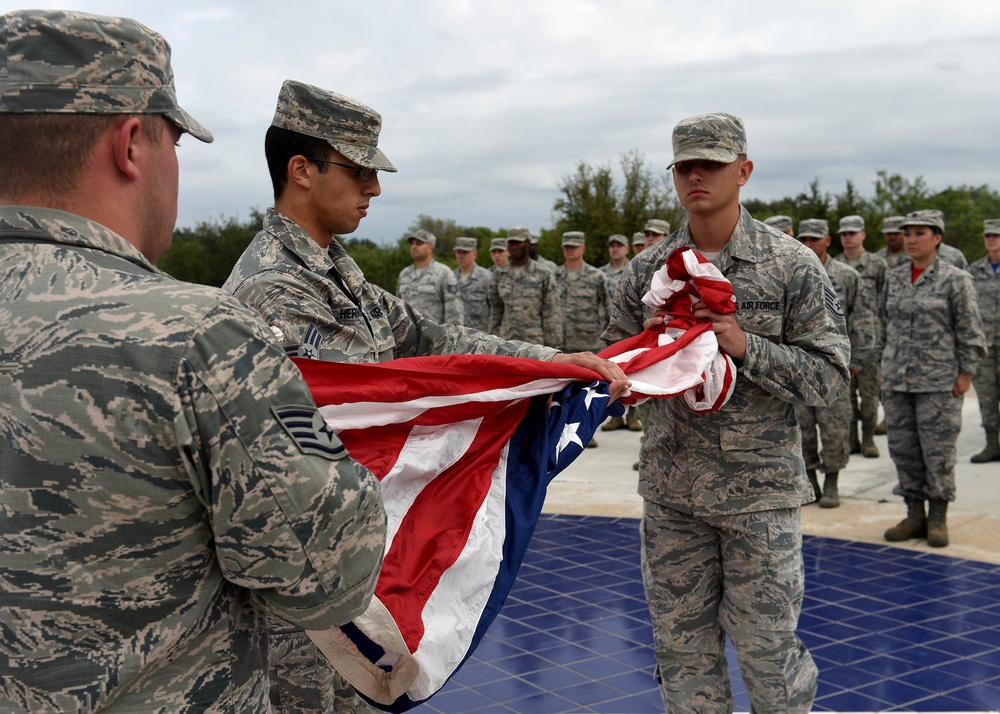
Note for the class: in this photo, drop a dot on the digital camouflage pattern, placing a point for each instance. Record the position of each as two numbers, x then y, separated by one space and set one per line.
933 333
893 260
348 126
851 224
744 457
524 304
584 298
986 283
864 385
166 479
657 225
782 223
325 308
813 228
763 561
613 275
433 291
55 61
474 291
710 137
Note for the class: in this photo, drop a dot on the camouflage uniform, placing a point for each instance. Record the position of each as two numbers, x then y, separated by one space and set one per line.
834 421
147 441
524 304
738 471
583 294
949 254
986 280
474 291
933 333
864 385
433 291
613 275
893 260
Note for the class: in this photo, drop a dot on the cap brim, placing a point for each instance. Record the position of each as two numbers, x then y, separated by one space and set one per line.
720 156
190 125
370 157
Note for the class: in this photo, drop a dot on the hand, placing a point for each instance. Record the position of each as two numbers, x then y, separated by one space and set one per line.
656 320
962 384
732 339
609 371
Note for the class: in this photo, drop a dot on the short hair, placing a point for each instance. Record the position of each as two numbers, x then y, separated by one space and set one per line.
280 145
44 154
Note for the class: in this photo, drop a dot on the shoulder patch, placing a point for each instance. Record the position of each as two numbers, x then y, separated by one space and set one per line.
309 347
309 431
832 301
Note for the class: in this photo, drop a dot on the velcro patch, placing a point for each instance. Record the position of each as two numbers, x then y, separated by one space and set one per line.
832 301
310 432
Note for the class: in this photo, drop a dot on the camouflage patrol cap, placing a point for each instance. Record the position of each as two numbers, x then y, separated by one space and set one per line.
710 137
924 217
518 234
573 238
782 223
534 238
498 244
851 224
423 237
813 228
892 224
638 238
618 238
348 126
466 243
991 227
657 225
62 62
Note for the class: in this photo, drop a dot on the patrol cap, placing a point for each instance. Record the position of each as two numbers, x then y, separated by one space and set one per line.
618 238
466 243
892 224
813 228
657 225
423 237
348 126
533 237
573 238
518 234
851 224
782 223
63 62
710 137
991 227
638 238
498 244
924 217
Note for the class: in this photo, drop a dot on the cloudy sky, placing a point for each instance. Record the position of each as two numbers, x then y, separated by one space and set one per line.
488 105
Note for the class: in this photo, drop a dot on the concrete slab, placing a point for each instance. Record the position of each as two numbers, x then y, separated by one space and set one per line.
602 482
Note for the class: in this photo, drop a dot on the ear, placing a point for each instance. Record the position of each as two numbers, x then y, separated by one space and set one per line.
746 168
126 149
298 171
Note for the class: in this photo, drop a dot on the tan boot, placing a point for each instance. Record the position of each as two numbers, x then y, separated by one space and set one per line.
990 453
830 497
913 526
632 420
879 429
937 523
868 448
613 423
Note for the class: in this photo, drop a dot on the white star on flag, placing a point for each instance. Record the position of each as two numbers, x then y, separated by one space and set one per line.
568 436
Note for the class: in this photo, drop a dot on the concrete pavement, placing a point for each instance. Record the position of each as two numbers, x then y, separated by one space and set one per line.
602 482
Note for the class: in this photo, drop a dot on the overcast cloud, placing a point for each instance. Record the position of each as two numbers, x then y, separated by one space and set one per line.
487 106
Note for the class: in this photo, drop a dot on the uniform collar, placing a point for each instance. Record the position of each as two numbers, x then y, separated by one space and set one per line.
293 237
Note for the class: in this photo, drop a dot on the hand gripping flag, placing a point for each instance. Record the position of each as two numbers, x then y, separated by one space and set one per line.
464 447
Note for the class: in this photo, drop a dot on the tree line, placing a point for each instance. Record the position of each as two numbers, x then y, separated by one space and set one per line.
594 200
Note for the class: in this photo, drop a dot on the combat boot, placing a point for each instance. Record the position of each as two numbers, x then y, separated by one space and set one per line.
879 429
868 448
855 444
811 473
913 526
830 497
990 453
937 523
632 420
613 423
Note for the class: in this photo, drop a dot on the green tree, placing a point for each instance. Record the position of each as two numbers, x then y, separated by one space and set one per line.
206 253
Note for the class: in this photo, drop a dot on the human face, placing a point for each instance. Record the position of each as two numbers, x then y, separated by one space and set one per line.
817 245
852 240
518 250
921 244
618 252
159 213
420 251
638 248
653 238
992 243
466 259
500 256
894 241
339 198
706 188
573 254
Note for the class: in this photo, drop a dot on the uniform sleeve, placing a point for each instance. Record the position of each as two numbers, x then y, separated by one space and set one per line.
453 311
627 308
552 314
496 305
862 326
810 364
603 300
970 337
294 518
